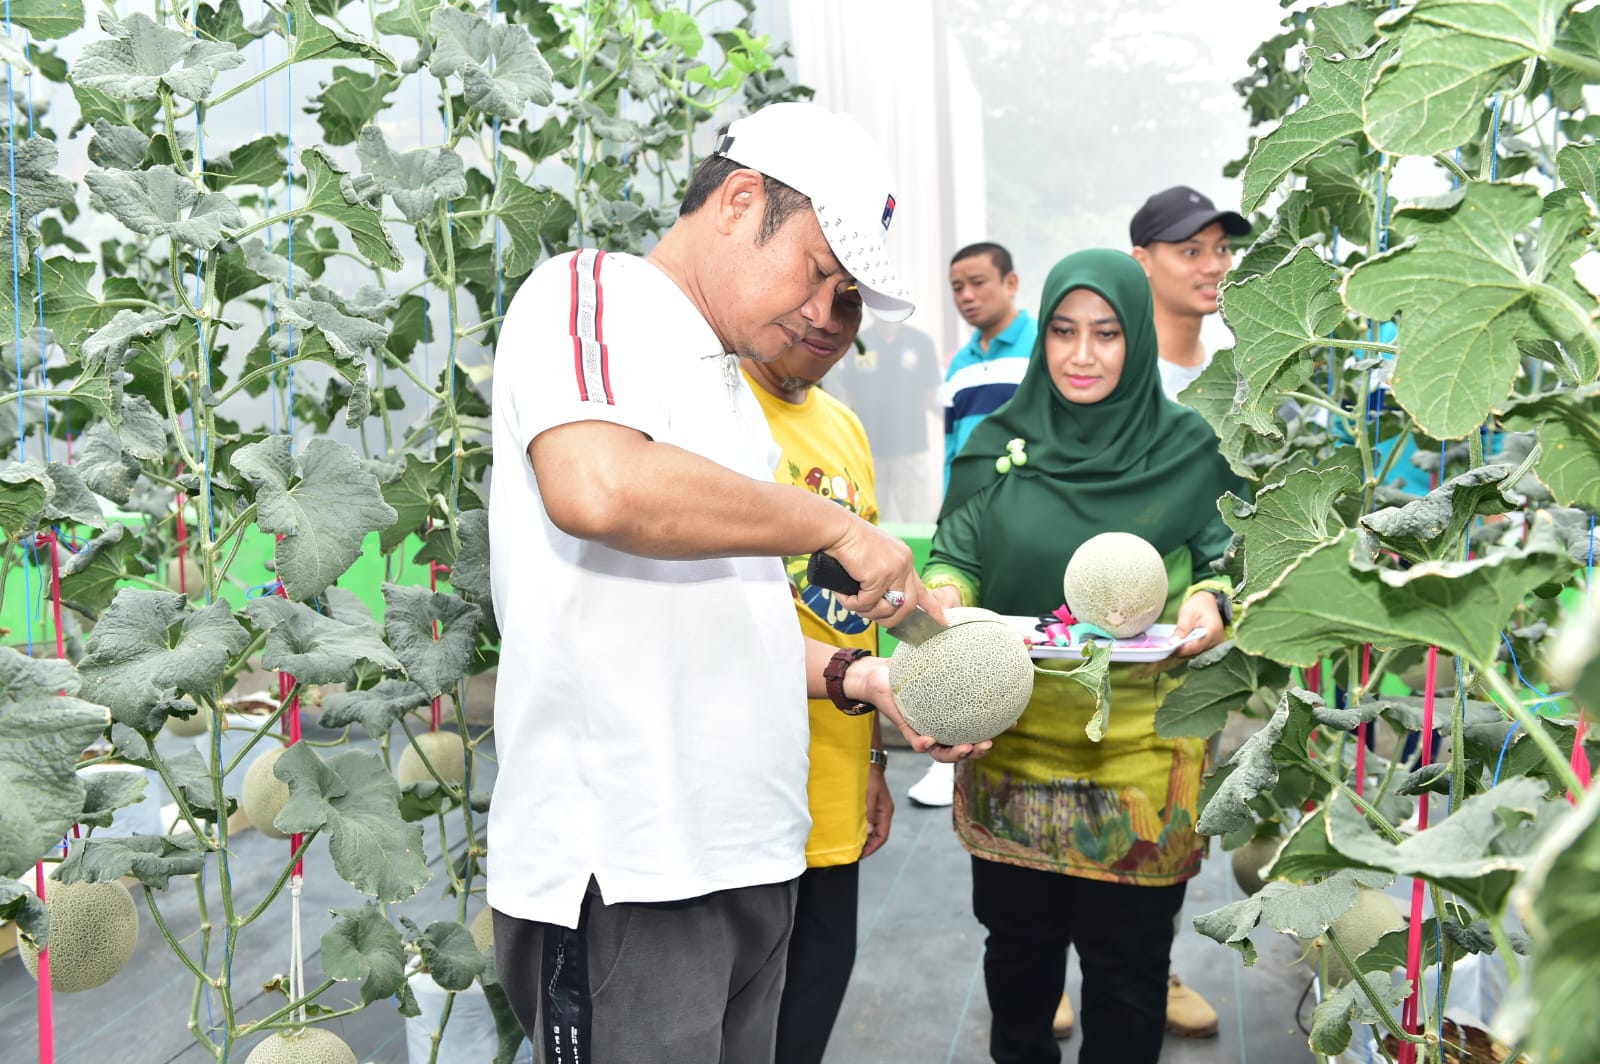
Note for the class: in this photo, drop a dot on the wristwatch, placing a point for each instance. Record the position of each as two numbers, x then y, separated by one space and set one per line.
1224 605
833 677
879 758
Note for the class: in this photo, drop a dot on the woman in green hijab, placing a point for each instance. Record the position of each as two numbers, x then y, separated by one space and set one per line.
1076 842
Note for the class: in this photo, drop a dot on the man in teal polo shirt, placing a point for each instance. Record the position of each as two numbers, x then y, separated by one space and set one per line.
985 372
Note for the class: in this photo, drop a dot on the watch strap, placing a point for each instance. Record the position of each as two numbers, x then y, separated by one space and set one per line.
833 678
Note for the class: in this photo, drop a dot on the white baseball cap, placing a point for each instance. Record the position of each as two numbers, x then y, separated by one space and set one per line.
829 158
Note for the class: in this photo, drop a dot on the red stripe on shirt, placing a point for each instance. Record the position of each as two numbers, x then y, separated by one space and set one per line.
572 330
599 329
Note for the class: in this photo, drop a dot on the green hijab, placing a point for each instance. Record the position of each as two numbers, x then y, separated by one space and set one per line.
1133 462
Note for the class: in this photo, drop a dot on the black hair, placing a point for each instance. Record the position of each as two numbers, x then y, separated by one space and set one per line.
997 255
782 201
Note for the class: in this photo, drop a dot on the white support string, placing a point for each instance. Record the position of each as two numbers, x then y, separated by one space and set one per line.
297 960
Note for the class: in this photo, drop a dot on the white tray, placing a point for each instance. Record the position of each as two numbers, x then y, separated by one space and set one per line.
1156 644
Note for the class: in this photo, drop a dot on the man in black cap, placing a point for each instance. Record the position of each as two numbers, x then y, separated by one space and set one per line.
1185 246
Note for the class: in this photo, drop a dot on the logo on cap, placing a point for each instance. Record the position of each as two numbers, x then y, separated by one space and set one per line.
888 210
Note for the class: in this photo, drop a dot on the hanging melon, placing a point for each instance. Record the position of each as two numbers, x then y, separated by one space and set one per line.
1250 859
264 795
1374 915
309 1045
1116 581
445 751
93 930
482 929
967 684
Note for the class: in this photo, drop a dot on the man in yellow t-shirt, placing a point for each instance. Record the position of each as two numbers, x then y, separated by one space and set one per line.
824 450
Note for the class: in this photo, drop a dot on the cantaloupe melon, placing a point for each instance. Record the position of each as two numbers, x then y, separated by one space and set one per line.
445 752
190 726
310 1045
1116 581
1374 915
1250 859
189 578
482 928
967 684
263 794
93 929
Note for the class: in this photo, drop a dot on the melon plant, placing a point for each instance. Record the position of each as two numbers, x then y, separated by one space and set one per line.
275 353
1373 915
311 1045
94 928
1249 859
966 684
482 928
1413 399
1116 581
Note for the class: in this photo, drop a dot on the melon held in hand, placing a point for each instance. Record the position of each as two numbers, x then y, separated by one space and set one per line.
1116 581
964 685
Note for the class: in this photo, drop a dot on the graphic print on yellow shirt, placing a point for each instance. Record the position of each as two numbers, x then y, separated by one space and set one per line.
824 451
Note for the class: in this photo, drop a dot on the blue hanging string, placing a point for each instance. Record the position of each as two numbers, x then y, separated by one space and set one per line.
38 271
1494 141
288 206
1333 375
427 368
16 248
272 301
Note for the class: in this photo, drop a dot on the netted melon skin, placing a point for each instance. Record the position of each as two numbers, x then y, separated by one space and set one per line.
311 1045
1249 859
444 750
964 685
264 795
93 930
1374 915
482 929
1116 581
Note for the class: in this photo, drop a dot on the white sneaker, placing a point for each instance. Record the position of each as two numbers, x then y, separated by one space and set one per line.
937 787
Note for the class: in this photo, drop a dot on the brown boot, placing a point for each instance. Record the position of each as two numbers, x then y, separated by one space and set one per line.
1061 1026
1188 1013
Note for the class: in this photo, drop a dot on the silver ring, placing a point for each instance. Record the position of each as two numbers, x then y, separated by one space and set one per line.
895 598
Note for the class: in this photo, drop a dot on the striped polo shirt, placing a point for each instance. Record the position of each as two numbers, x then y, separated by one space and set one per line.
979 381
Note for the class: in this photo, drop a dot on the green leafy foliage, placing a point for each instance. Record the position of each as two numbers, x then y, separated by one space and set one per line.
41 793
1218 682
362 944
1332 114
377 708
354 799
151 859
142 58
450 955
314 648
432 661
500 67
1287 520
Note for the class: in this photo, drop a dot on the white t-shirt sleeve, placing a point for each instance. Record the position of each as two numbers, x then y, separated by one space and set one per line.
556 362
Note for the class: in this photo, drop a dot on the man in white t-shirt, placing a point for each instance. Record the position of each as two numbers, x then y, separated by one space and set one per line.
1185 246
649 816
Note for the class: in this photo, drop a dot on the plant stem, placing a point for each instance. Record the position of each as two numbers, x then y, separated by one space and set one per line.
249 82
1534 727
1395 1028
1586 65
172 941
1361 803
444 1018
261 371
283 877
1454 167
267 1021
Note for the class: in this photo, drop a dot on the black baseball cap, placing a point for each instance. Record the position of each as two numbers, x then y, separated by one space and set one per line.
1178 213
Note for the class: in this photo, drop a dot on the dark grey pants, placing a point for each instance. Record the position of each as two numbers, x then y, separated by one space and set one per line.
685 982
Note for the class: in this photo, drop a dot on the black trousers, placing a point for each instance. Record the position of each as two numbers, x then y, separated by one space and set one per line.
822 951
1123 935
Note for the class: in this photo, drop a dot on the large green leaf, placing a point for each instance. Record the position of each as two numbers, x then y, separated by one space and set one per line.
362 944
1218 682
328 195
350 101
226 22
153 202
105 467
36 185
46 19
151 859
90 578
411 496
348 337
528 213
1568 430
71 501
314 648
106 792
22 907
148 647
1330 114
322 518
1476 852
1331 1019
1467 297
416 180
433 662
1342 29
259 162
1254 766
1452 55
1302 911
24 490
1214 395
377 708
1433 525
450 955
315 39
1341 182
41 738
1278 318
500 67
353 797
469 573
1579 167
1557 899
1335 596
142 56
23 679
1286 520
410 18
71 311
